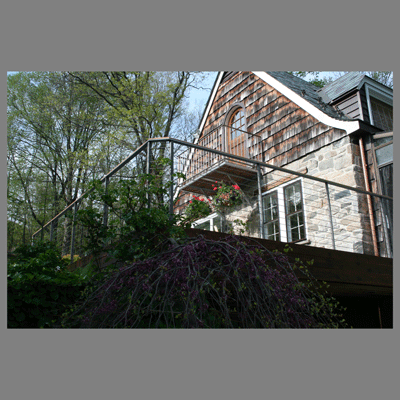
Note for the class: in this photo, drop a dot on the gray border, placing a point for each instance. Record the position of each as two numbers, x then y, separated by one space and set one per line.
198 364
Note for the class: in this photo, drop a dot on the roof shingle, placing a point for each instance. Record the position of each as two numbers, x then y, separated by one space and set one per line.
342 85
308 91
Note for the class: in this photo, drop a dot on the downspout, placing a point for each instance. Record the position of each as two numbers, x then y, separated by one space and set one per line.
369 201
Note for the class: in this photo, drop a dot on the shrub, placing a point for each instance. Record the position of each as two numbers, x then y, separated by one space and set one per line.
208 284
67 257
39 287
136 230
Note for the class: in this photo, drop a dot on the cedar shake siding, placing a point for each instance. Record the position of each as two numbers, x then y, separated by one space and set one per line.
287 131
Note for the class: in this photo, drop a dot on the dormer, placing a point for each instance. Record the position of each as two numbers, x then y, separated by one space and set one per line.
361 97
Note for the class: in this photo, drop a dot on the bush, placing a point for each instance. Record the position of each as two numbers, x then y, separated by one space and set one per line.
208 284
136 230
39 287
67 257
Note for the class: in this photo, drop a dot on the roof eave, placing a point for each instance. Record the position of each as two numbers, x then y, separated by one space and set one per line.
348 126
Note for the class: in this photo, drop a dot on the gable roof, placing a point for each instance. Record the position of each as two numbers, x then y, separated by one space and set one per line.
342 85
302 93
308 91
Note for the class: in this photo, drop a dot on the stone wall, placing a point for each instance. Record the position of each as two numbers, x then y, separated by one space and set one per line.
338 162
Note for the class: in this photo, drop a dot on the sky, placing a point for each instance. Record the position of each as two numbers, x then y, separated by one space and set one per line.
199 97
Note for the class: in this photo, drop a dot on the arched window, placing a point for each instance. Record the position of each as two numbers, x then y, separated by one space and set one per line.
236 137
237 124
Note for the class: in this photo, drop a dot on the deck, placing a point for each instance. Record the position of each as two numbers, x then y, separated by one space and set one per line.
225 170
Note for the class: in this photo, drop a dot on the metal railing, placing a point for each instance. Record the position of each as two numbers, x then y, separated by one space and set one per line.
335 215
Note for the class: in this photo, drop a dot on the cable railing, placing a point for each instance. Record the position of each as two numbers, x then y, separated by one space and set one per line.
295 207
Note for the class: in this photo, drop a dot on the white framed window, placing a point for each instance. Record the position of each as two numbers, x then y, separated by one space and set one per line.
210 223
284 216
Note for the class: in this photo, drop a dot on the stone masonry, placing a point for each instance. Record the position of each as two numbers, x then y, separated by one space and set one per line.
338 162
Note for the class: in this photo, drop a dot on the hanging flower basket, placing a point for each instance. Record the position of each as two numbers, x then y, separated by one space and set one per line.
226 197
198 208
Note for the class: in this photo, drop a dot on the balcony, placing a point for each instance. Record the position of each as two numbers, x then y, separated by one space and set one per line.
203 167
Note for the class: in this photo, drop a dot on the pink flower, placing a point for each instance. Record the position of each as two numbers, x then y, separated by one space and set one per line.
215 188
190 201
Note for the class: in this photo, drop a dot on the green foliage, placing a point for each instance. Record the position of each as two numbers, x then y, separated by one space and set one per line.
144 103
63 127
312 77
134 230
39 286
197 208
67 257
237 227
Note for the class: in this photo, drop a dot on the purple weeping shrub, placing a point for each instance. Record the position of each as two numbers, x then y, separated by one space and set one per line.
208 284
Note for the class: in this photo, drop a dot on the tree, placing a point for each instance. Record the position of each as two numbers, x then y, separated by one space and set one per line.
143 105
315 77
68 128
53 125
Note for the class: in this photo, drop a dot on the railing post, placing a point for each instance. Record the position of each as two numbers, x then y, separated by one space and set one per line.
387 224
223 139
105 207
73 232
52 231
148 161
260 207
171 188
330 215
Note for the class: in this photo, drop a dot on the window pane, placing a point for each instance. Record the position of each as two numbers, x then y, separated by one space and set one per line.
384 154
270 207
237 122
294 212
382 114
271 231
294 235
217 223
271 216
204 225
293 198
378 142
296 227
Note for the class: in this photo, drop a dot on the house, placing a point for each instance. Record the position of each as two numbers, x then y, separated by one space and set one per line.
307 157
